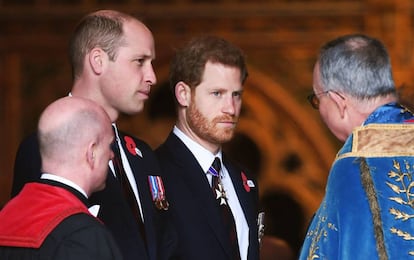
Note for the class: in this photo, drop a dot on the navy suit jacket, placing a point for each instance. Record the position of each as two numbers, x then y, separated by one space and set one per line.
193 207
114 210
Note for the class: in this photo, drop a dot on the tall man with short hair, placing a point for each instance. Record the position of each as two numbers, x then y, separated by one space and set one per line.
111 54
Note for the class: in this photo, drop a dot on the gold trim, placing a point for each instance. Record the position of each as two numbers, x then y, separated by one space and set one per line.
382 140
369 187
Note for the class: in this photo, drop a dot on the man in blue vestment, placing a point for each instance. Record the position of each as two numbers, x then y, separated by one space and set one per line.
368 208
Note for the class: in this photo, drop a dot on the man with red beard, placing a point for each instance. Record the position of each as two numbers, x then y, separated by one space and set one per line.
206 78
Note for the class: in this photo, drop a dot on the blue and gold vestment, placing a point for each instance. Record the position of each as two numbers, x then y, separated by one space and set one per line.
368 208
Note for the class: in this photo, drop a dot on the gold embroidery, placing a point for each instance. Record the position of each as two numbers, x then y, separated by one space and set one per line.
400 233
399 214
403 183
384 138
317 233
369 187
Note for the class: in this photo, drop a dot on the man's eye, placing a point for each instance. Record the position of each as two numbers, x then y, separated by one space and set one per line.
237 94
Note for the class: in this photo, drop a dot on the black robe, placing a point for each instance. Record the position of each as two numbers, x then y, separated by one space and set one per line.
51 222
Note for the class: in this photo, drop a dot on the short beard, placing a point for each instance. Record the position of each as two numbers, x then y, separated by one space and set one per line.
207 130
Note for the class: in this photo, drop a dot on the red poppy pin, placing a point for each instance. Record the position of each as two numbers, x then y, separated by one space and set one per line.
131 146
247 184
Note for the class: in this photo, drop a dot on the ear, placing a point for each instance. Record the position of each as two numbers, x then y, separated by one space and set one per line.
96 59
341 102
183 94
90 155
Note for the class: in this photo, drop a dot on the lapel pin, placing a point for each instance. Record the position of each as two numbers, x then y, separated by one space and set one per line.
247 184
131 146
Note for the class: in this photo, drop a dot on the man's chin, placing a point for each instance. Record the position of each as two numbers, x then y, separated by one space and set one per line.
225 137
134 110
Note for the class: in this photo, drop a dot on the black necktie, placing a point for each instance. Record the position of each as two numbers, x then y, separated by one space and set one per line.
225 210
126 187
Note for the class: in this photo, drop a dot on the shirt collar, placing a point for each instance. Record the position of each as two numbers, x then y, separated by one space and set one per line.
116 132
48 176
203 156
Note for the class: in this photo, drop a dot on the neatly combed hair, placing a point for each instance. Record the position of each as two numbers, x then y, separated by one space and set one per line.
96 30
189 62
357 65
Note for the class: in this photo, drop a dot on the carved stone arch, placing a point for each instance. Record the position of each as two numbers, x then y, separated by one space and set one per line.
296 153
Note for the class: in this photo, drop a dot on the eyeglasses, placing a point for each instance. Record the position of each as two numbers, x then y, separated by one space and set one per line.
314 100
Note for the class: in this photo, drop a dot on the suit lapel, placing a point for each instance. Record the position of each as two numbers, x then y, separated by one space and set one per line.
194 177
247 199
137 162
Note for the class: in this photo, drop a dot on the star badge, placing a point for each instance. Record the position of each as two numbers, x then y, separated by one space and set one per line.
221 194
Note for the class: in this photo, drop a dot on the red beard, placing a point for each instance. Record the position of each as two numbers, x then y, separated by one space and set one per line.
208 130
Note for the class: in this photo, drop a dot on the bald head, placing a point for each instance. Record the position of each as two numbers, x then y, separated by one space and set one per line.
72 133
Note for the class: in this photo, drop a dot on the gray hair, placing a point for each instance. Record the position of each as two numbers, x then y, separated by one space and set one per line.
357 65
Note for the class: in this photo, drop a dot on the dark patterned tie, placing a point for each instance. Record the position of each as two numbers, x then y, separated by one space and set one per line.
225 210
126 187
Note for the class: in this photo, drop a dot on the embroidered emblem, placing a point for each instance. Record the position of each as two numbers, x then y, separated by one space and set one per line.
402 185
158 192
132 147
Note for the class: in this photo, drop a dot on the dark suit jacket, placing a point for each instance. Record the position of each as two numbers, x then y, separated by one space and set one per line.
114 210
193 207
